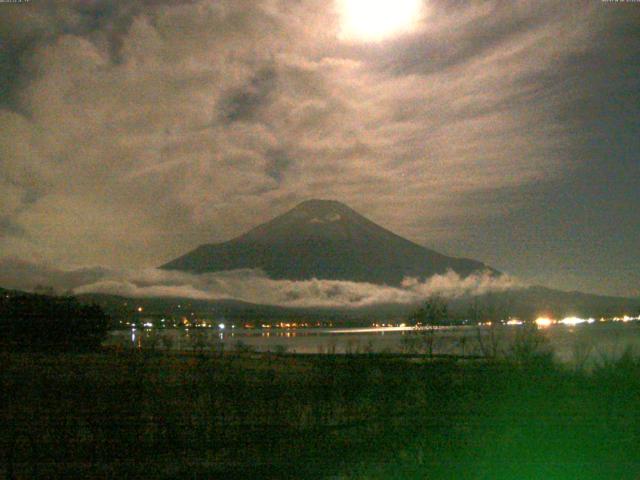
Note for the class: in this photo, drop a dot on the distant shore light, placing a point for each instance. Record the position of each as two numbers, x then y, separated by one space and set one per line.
544 322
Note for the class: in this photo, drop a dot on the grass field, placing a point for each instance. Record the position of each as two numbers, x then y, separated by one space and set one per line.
143 415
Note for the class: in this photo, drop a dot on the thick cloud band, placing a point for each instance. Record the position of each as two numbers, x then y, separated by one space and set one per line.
245 285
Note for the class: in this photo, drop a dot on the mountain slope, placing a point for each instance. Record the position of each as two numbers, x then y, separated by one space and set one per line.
324 239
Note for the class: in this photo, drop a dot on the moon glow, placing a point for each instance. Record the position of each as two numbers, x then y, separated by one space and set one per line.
376 20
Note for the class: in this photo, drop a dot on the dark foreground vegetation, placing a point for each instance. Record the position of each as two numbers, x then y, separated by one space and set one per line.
72 409
45 323
146 415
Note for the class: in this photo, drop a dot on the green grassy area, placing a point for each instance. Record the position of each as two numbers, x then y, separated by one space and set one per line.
142 415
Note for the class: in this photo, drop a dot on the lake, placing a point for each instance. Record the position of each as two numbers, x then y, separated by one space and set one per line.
584 344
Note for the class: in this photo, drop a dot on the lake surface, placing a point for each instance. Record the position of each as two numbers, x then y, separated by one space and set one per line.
584 344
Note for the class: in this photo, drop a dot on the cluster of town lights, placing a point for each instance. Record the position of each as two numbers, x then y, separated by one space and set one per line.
540 322
544 322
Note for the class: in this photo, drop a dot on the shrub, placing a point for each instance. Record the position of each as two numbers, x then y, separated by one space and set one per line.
242 347
530 347
281 349
410 343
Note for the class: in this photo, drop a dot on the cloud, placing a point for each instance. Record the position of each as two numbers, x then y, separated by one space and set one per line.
243 104
10 228
133 131
176 139
246 285
28 275
451 285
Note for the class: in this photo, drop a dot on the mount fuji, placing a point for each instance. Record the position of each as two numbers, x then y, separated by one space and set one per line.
324 239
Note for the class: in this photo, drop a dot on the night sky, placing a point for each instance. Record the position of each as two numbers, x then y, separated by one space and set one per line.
505 131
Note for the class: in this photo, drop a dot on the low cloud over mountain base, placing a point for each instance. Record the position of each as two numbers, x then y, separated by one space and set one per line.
245 285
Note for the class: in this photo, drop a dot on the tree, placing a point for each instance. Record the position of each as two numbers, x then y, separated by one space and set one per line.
46 323
489 316
433 312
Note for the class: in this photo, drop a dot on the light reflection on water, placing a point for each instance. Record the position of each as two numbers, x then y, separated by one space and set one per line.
576 343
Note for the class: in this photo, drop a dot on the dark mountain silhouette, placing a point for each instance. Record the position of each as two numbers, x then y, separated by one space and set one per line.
524 303
324 239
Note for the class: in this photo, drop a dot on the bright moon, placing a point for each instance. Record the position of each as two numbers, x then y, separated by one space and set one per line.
374 20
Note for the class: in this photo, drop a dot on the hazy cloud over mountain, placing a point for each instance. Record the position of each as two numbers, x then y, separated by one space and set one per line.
131 132
246 285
